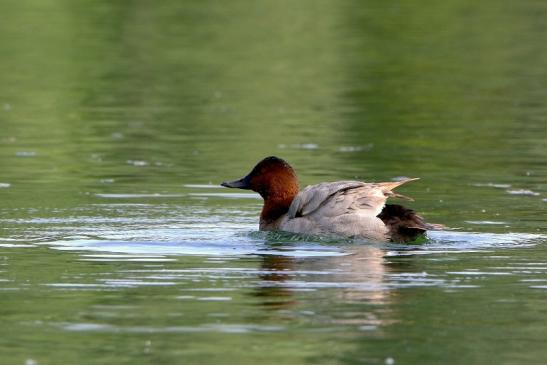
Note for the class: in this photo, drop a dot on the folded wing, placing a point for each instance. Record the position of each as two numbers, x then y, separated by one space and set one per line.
343 197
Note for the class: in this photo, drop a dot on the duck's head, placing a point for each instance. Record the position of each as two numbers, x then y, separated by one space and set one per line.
272 178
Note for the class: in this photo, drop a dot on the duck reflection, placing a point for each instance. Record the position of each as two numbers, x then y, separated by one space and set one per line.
362 274
276 272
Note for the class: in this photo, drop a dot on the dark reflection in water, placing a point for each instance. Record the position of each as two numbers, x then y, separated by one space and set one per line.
362 275
272 291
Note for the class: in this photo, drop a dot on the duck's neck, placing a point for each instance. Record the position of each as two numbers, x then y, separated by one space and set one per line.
276 205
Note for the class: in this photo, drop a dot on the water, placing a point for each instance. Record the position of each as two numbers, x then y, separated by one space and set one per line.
118 121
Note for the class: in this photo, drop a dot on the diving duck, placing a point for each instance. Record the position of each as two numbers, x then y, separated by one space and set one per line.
352 209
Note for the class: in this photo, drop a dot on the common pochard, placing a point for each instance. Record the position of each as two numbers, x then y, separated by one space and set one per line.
352 209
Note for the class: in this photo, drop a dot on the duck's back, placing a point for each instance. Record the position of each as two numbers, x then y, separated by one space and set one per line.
346 208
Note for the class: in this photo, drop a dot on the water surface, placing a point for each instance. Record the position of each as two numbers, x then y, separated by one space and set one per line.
120 119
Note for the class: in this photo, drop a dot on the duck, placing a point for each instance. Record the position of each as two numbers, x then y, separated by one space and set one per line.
349 209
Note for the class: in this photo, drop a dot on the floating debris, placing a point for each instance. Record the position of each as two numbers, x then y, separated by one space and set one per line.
4 185
523 192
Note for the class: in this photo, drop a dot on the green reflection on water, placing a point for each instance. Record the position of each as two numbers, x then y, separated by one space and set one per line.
135 97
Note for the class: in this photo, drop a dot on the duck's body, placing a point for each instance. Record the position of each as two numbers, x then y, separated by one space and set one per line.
344 208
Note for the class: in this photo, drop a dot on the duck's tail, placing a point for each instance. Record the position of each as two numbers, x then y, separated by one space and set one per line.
404 224
387 188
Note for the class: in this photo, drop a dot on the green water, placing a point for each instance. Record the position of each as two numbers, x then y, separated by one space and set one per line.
119 119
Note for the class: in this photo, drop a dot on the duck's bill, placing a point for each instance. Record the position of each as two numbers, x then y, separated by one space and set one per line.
243 183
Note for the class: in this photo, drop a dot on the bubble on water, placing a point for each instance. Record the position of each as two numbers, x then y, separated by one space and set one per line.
4 185
389 361
31 362
7 107
117 135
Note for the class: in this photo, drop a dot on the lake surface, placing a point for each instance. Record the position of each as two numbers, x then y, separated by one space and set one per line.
118 121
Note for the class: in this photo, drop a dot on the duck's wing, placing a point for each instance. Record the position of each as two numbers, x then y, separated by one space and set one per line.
343 197
313 196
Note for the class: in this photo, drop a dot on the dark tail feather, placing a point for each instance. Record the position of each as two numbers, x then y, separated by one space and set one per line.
404 224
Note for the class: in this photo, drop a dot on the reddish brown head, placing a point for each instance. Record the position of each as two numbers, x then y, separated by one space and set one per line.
275 180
